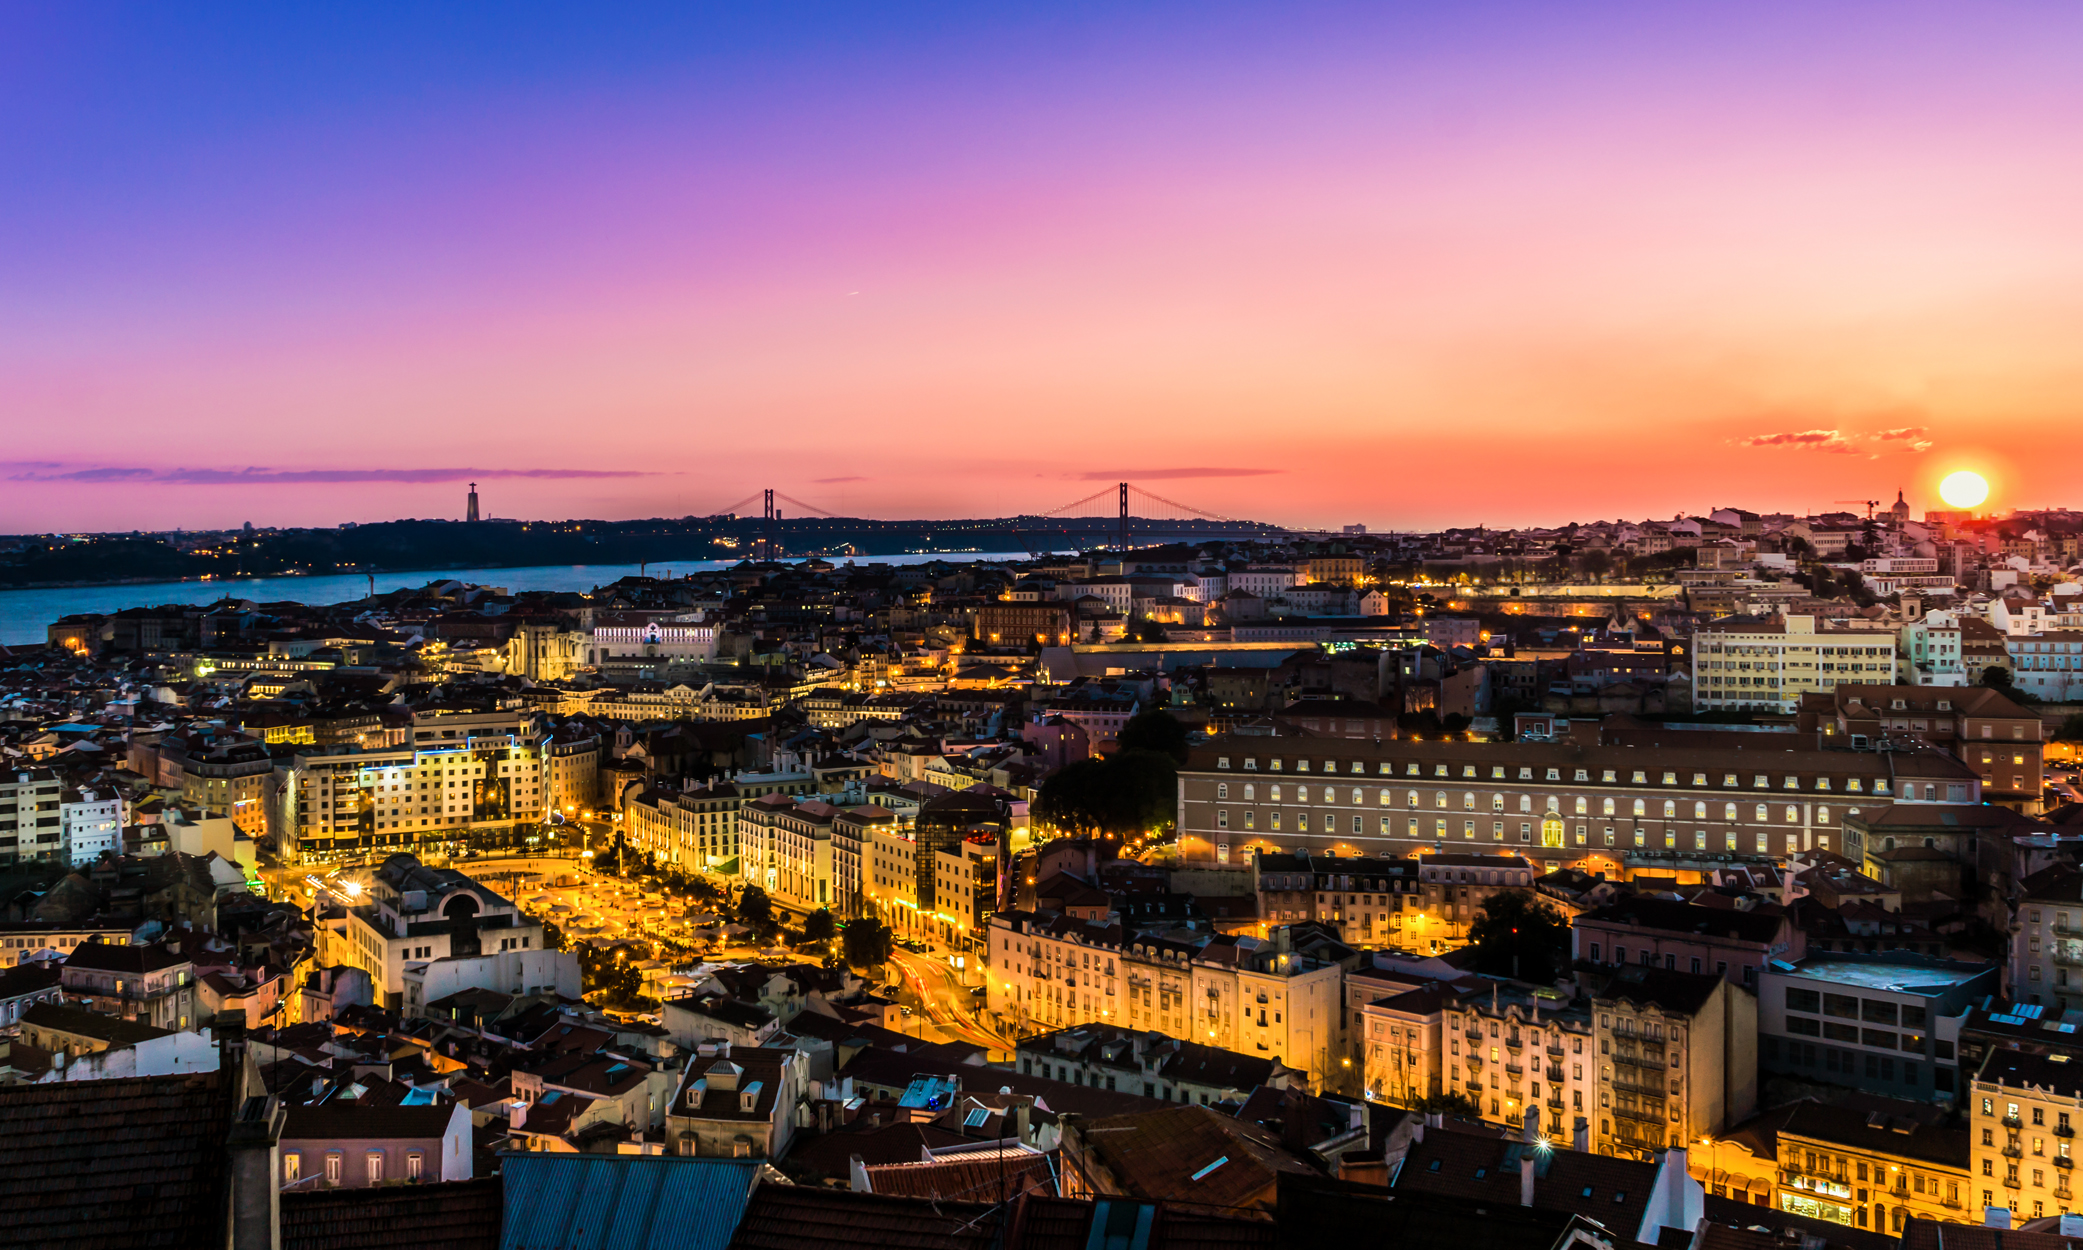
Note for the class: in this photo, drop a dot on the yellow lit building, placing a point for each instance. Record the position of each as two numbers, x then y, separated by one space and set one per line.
1872 1170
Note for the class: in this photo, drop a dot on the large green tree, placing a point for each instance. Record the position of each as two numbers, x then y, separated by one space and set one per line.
1126 793
866 942
1155 730
1518 934
754 908
818 926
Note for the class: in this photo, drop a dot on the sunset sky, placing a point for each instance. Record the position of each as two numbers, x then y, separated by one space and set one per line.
1407 264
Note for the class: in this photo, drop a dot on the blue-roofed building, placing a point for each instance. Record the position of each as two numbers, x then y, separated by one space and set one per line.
567 1201
1887 1023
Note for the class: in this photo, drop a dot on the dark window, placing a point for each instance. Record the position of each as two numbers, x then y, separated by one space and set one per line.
1843 1006
1803 1000
1841 1032
1805 1028
1879 1037
1913 1017
1873 1011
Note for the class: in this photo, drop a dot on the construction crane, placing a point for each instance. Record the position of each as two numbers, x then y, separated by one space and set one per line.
1871 504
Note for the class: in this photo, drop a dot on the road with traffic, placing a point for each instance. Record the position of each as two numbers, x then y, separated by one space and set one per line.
949 1005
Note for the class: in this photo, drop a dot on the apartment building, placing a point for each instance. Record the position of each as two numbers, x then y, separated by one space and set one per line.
1513 1048
1751 664
2046 945
1930 652
788 849
1602 808
2023 1111
695 828
890 878
1677 1054
571 771
152 985
31 825
93 824
1885 1023
1154 1065
1367 900
1645 931
854 848
461 773
1256 996
1403 1055
1873 1169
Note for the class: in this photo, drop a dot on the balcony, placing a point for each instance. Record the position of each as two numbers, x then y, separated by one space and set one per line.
1474 1034
1651 1062
1638 1087
2064 1162
1645 1117
1555 1052
2011 1182
1475 1061
1514 1070
2013 1122
2013 1151
1555 1075
2063 1130
1515 1043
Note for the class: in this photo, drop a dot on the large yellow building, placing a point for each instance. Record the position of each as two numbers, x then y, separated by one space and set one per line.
1871 1169
1256 996
2024 1110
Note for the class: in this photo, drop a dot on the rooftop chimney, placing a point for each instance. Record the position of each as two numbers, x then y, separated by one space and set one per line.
1526 1176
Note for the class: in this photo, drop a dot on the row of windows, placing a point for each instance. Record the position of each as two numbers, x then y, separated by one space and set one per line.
1609 776
1580 805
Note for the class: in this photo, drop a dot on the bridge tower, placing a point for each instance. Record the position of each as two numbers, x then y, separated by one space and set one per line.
1124 516
771 539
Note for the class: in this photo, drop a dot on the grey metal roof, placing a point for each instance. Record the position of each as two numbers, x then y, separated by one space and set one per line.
623 1202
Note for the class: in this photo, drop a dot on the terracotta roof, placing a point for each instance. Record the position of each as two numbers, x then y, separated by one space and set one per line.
352 1119
1165 1156
458 1215
126 1163
994 1177
798 1217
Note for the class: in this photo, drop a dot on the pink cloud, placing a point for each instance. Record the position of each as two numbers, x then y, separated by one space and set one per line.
1806 440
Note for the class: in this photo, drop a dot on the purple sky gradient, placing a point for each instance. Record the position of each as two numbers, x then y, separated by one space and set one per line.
1480 263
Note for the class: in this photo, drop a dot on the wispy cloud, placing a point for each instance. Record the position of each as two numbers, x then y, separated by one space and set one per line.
1831 441
26 471
834 481
1913 435
1159 475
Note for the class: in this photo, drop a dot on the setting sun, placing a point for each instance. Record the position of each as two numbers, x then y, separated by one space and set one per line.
1964 489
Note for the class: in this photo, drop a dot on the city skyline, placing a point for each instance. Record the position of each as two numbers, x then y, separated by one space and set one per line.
1339 266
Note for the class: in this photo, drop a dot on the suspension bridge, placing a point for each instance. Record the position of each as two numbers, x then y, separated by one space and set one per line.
1121 515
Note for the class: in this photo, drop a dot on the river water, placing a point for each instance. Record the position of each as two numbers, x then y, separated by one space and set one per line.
24 614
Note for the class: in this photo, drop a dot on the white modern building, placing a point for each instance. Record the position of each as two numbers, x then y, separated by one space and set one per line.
93 823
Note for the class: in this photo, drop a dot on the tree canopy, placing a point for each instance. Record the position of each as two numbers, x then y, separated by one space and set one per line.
1155 730
1127 793
754 908
866 942
1517 934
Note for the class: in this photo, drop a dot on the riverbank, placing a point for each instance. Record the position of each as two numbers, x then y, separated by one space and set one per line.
27 612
